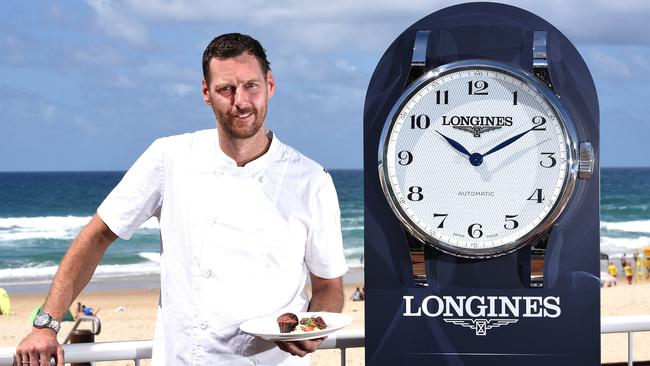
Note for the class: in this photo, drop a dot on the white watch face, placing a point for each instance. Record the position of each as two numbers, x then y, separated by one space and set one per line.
476 159
41 320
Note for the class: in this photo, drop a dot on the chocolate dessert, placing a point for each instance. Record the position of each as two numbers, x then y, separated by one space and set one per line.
287 322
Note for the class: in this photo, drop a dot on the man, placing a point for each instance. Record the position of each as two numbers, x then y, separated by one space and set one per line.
243 219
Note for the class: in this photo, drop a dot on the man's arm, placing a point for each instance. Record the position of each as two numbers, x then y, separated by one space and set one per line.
326 295
75 270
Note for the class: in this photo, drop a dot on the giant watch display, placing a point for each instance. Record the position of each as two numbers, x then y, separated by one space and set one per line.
478 158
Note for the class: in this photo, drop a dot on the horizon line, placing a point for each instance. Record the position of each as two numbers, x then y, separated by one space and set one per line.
332 169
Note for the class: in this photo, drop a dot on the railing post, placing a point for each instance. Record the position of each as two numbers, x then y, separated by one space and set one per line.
630 353
342 356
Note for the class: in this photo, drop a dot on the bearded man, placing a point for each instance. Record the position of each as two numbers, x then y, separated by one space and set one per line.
243 217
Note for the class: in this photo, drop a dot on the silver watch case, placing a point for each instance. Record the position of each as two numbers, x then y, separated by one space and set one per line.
45 320
570 136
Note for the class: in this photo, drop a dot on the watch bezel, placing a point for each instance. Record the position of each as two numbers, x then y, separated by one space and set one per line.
42 320
570 138
45 320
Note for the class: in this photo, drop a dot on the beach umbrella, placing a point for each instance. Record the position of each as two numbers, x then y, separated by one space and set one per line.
5 303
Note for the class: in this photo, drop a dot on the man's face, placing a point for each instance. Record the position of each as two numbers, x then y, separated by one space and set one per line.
238 93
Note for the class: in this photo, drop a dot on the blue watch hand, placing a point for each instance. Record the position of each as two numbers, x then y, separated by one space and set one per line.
455 144
507 142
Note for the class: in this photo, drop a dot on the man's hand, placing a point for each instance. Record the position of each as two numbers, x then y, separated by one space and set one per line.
38 347
300 348
75 270
326 295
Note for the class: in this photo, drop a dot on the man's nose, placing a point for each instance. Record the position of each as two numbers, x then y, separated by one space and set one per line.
241 97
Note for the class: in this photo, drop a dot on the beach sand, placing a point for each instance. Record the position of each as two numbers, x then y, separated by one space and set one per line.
619 300
137 321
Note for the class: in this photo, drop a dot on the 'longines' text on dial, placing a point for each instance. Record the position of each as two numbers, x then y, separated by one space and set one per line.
477 120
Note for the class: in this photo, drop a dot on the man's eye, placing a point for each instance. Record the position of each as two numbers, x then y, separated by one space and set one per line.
250 85
225 90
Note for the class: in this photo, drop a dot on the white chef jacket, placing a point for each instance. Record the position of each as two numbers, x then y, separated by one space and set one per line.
236 243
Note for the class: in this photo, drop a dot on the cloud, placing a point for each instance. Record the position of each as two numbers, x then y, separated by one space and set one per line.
121 81
96 55
366 23
181 89
13 49
168 71
19 106
601 22
116 21
618 63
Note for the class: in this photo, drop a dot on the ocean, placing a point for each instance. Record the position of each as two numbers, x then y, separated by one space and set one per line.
40 213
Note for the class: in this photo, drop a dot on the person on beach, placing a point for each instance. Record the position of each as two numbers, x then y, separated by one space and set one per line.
628 272
357 295
244 221
613 271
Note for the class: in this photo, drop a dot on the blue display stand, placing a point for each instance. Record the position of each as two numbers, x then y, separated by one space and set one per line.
555 325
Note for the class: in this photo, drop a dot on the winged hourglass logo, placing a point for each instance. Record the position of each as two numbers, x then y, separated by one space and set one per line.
481 326
476 130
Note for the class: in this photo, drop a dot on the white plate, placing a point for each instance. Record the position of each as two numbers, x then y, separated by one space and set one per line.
267 327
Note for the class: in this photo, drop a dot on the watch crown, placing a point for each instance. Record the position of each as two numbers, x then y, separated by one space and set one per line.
586 160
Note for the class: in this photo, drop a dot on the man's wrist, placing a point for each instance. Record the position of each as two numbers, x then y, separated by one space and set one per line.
46 321
45 330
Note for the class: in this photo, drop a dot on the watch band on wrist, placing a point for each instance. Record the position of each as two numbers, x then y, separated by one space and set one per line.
45 320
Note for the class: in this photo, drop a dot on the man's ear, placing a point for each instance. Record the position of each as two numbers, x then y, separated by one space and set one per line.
270 84
205 91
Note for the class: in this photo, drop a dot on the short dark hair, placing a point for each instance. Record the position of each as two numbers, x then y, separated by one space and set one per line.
232 45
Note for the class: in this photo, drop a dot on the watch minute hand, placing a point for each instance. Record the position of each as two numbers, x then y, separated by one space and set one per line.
507 142
455 144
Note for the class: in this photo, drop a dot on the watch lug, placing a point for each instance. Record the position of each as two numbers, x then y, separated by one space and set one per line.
540 59
416 250
419 57
537 260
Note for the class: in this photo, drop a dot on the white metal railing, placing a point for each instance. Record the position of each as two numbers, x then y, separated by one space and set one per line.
141 350
625 324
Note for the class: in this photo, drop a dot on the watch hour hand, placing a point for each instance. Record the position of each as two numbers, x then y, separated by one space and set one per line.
455 144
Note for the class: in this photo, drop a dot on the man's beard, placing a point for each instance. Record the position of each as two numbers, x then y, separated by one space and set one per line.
241 130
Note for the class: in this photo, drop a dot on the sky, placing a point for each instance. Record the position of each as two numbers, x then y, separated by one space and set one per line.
88 85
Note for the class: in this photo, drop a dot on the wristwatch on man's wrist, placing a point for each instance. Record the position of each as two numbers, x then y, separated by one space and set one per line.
45 320
479 158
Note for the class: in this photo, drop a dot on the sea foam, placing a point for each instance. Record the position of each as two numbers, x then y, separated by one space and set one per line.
639 226
46 273
50 227
617 246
